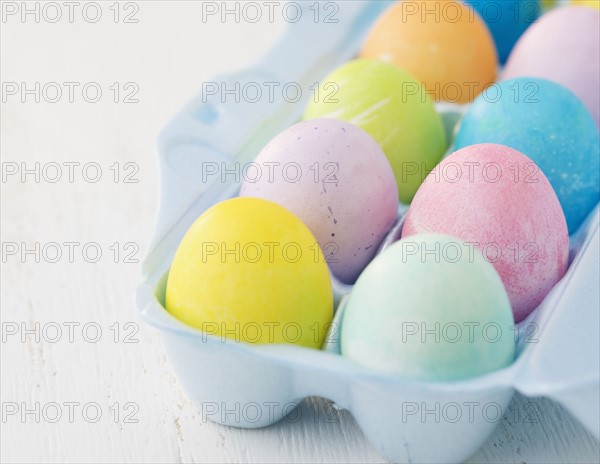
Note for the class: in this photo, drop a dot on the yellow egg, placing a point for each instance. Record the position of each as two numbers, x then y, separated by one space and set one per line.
249 270
443 43
592 3
547 4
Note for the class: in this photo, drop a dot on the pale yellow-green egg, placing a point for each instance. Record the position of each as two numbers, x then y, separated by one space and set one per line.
250 270
393 108
591 3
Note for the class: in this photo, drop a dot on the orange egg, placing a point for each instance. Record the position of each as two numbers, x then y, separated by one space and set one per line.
444 43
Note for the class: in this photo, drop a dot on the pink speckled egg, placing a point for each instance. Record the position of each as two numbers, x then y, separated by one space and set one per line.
497 199
563 47
338 181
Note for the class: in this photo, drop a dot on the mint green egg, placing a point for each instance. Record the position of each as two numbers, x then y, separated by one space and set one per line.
393 108
430 307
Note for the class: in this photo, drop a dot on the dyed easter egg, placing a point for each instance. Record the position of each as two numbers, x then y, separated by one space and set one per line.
249 270
551 126
429 308
507 20
590 3
497 199
392 107
337 180
562 47
444 44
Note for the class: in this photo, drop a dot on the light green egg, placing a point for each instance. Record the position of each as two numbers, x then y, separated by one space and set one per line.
392 107
431 308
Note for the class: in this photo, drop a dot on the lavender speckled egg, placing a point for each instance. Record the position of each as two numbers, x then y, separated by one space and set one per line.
562 47
499 201
338 181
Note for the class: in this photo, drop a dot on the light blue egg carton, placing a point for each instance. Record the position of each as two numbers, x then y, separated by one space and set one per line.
254 386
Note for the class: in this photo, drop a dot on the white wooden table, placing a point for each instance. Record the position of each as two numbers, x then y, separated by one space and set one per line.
78 395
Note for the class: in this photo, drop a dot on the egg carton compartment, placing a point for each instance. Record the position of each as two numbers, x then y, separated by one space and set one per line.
253 386
560 365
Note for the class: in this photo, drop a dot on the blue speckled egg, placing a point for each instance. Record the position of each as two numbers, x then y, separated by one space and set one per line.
507 20
550 125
